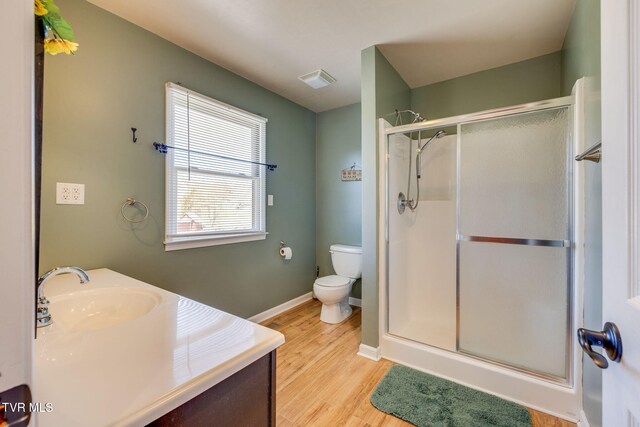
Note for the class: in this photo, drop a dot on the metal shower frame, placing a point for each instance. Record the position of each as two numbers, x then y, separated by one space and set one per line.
457 121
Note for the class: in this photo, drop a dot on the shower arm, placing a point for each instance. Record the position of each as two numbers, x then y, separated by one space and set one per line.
417 117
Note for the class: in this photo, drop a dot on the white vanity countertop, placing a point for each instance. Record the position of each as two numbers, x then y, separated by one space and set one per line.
131 373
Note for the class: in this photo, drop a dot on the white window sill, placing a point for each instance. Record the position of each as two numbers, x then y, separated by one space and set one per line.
176 244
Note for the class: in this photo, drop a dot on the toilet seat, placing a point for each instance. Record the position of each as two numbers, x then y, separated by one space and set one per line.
333 281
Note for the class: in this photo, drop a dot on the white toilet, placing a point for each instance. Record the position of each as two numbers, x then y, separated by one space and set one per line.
333 291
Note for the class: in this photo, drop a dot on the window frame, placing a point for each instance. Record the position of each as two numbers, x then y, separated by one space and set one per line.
173 241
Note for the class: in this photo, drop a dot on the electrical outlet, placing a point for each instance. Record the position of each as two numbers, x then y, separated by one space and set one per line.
69 194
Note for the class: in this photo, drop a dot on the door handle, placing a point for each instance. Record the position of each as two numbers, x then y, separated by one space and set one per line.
609 339
15 406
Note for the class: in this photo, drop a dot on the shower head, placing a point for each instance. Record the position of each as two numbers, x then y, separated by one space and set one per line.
438 134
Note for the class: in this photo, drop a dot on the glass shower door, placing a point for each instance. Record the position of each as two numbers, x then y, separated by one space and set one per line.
513 233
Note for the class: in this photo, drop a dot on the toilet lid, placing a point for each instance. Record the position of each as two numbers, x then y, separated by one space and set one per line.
332 281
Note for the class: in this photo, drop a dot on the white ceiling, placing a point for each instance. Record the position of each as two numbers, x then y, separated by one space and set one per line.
273 42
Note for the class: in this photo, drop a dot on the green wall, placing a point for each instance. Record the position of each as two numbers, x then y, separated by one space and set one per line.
526 81
383 91
581 58
581 48
338 203
116 81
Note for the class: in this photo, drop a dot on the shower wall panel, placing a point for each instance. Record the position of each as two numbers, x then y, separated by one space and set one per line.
422 243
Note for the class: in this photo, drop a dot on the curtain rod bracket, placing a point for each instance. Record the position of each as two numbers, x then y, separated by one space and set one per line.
160 148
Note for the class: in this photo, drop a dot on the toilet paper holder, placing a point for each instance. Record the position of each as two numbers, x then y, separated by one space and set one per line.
285 251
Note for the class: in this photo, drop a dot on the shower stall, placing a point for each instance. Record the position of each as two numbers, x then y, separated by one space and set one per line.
480 249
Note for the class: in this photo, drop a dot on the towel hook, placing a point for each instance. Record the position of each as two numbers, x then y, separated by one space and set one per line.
134 137
593 153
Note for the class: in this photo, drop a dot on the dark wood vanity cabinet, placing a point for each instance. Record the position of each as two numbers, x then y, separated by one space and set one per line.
247 398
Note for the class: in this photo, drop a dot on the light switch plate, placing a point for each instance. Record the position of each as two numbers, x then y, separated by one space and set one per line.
69 194
270 200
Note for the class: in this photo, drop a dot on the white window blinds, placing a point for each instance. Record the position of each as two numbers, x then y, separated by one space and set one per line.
214 194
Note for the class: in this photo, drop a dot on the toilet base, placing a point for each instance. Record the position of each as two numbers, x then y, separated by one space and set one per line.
336 313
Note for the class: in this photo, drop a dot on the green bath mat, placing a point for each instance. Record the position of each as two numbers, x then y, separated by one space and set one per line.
428 401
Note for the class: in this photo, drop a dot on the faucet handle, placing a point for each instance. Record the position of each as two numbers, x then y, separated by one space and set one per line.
42 300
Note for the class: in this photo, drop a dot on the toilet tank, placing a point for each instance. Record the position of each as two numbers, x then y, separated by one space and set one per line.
347 260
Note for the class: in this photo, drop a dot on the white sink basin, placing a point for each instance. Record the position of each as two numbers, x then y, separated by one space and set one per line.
93 309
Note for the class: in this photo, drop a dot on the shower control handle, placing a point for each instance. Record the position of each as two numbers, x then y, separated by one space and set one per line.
609 339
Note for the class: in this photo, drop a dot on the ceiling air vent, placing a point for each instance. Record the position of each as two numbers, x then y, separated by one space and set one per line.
318 79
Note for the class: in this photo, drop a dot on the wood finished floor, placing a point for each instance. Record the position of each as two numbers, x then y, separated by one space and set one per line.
321 381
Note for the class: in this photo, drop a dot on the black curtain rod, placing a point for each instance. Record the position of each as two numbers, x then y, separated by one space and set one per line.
162 148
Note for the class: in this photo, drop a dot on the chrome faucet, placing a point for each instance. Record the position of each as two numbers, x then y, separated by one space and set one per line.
43 318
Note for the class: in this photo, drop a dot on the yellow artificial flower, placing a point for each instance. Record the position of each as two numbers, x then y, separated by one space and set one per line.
56 46
38 8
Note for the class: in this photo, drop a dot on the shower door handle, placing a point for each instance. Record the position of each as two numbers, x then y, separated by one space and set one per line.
609 339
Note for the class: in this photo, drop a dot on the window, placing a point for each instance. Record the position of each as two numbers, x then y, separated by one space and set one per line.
215 191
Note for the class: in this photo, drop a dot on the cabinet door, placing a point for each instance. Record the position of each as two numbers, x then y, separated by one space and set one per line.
247 398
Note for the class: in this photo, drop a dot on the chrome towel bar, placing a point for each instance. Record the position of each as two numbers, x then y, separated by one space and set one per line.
593 153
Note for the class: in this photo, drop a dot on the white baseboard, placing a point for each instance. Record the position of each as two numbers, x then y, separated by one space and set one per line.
261 317
356 302
369 352
583 421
